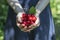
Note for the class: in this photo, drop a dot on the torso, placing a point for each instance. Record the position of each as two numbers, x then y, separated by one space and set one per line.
26 4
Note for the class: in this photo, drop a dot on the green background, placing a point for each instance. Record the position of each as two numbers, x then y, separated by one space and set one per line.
55 8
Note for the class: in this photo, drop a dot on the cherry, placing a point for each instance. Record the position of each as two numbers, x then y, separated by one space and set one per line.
32 15
32 22
24 19
29 22
34 18
25 22
24 15
29 15
30 18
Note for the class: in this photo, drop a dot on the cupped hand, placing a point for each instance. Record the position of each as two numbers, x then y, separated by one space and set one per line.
31 27
19 20
19 16
25 28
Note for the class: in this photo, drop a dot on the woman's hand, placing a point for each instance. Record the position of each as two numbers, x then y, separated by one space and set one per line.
19 20
31 27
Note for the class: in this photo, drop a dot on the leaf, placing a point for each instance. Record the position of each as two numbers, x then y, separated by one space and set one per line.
32 10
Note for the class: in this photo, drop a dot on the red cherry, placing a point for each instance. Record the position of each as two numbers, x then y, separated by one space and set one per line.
32 15
34 18
30 18
28 22
29 15
24 19
25 23
24 15
32 22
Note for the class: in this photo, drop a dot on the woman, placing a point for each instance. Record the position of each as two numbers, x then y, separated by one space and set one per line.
45 31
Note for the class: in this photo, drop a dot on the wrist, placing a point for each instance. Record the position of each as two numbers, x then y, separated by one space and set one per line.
37 12
20 14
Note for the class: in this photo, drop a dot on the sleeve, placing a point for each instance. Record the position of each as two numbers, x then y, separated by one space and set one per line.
15 4
41 5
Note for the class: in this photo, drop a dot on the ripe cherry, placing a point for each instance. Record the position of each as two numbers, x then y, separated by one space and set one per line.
32 22
24 15
32 15
30 18
29 15
25 22
29 22
34 18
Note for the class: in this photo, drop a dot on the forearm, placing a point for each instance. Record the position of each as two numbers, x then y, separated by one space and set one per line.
15 5
41 6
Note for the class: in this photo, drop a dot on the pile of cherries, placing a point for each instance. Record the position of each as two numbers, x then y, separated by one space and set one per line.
28 19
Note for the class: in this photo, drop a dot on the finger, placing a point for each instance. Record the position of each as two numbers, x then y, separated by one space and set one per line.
38 24
27 30
22 26
19 19
24 29
30 28
18 24
33 26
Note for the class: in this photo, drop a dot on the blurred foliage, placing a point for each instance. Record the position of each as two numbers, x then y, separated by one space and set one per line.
55 7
